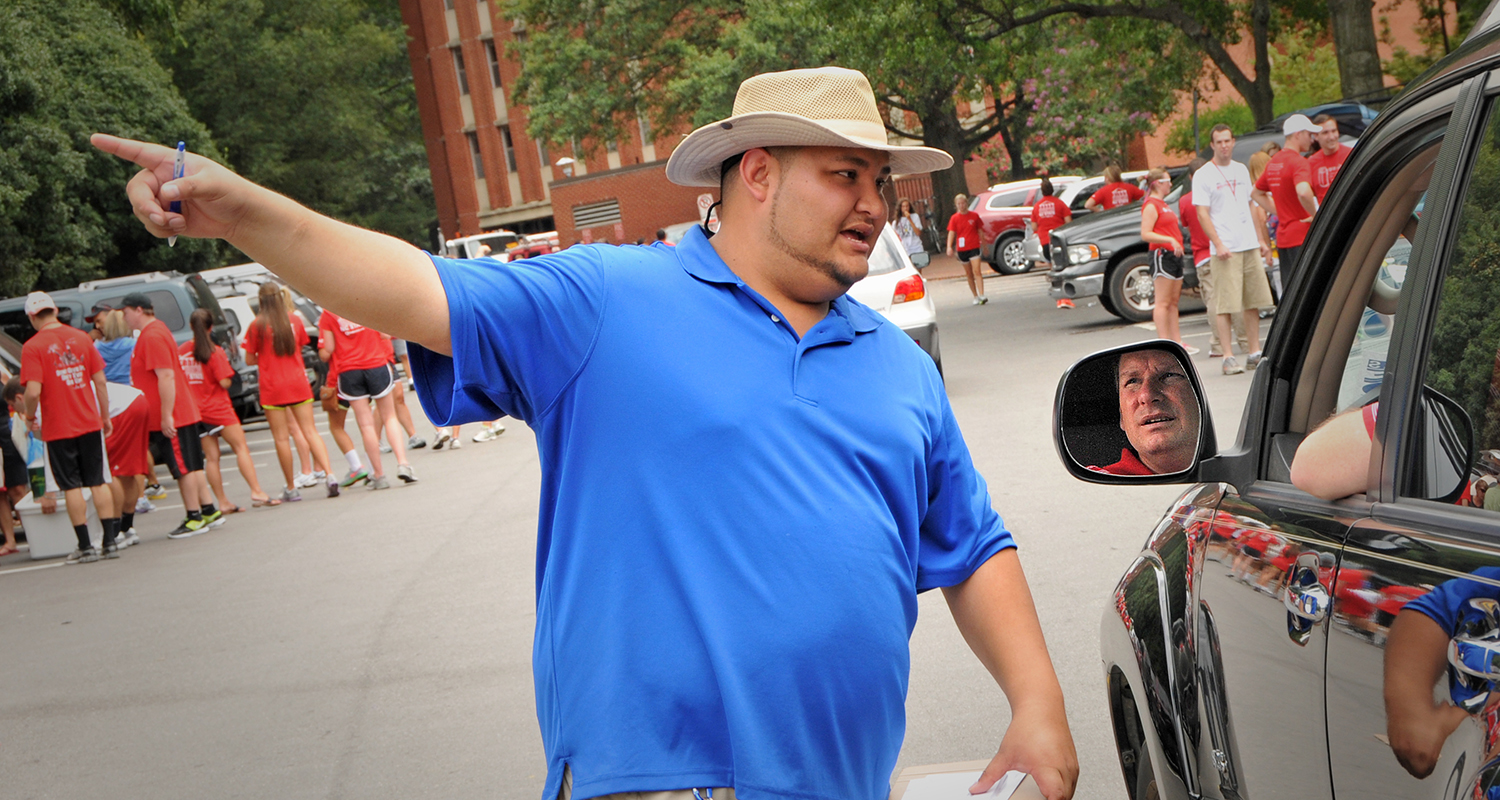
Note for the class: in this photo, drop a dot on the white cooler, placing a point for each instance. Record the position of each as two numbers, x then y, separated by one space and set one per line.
51 535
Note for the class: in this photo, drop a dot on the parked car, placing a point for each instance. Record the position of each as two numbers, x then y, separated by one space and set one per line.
175 297
1003 210
1265 642
498 241
895 289
1076 195
1103 255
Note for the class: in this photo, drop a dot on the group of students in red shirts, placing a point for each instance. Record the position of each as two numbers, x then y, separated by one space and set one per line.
105 436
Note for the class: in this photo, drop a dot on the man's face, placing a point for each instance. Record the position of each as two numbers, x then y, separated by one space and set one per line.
134 317
1223 144
828 210
1328 139
1158 410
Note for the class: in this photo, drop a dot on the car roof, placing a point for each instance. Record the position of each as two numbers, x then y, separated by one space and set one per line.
1028 183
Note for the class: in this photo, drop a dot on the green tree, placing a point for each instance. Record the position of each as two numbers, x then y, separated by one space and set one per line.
312 99
69 68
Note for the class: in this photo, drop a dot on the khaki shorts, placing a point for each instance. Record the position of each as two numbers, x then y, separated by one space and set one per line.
1239 283
566 792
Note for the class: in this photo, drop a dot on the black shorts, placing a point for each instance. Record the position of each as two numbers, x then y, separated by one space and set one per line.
182 454
15 465
1166 264
1047 252
357 384
77 462
1252 552
968 255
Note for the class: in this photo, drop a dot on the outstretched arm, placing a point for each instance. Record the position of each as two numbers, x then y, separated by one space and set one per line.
368 277
995 613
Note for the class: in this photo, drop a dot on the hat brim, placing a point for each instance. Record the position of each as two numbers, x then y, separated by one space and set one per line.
696 161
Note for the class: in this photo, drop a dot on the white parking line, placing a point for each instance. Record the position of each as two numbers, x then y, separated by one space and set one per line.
31 568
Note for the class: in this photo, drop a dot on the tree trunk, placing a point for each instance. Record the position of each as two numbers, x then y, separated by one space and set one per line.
945 185
1354 40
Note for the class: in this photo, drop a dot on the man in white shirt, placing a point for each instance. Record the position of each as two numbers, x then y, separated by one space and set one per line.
1222 194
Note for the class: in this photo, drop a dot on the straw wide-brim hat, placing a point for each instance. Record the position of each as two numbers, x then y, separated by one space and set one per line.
824 107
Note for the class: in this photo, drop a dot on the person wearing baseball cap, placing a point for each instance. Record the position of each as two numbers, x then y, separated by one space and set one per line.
67 403
721 605
1285 189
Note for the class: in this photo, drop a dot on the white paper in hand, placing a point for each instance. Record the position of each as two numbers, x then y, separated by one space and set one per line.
955 786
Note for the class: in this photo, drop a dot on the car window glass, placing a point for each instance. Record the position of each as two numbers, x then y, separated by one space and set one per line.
1463 352
885 257
1009 199
1084 192
15 325
234 321
163 302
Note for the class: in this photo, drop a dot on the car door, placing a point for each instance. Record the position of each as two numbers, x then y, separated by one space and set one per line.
1416 602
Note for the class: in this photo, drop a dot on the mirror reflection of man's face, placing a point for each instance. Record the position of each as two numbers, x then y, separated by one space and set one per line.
1158 410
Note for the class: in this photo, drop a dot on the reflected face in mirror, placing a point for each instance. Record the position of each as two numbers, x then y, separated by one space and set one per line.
1158 410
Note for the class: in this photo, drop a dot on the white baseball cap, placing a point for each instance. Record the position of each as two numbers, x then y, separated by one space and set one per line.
1297 123
37 302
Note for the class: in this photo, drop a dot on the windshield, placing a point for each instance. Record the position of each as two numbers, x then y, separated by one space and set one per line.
887 255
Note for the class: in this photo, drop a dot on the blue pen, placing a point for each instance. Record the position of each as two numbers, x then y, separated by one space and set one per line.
179 169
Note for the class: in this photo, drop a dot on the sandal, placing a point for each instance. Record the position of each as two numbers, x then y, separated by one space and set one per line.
231 509
5 551
269 501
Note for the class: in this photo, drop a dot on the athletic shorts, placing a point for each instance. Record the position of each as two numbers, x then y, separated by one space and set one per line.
358 384
129 445
1252 552
1166 264
968 255
1240 283
15 465
182 454
77 462
293 405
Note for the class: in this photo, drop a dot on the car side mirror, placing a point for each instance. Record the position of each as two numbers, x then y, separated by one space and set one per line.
1446 450
1133 414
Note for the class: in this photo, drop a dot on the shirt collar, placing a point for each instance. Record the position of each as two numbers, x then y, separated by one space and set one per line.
701 260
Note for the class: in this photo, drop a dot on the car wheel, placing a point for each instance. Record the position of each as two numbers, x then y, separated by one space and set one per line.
1107 304
1130 290
1010 256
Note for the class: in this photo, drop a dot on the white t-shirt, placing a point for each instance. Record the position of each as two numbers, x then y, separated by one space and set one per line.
1225 191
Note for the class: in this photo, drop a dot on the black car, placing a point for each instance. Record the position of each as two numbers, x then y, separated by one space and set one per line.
1266 643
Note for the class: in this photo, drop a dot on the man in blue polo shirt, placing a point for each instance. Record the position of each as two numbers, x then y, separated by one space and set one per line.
720 605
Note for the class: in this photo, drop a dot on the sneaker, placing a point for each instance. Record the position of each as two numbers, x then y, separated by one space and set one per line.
1063 302
1253 360
385 448
415 443
455 444
442 439
1212 353
984 298
320 475
215 519
1231 366
355 477
144 506
127 539
305 481
290 495
83 556
975 301
405 474
333 488
189 527
379 483
488 434
155 492
111 550
1191 350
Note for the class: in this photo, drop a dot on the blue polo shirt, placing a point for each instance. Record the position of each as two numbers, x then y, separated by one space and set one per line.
734 522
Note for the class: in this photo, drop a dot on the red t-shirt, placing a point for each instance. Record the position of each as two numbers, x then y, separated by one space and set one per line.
283 379
354 345
1166 223
1195 228
213 399
1049 213
1287 169
63 360
1325 168
156 349
1114 195
1129 464
965 226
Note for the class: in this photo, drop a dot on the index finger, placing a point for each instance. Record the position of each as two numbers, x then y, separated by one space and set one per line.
144 154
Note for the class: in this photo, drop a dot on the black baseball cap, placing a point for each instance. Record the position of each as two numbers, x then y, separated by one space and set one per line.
99 308
137 300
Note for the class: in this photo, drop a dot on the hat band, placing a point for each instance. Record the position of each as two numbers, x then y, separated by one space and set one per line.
864 130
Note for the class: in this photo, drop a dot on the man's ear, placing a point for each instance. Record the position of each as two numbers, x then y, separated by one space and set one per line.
759 171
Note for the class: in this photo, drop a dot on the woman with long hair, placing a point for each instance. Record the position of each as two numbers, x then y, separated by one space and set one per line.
209 375
273 342
1160 229
909 227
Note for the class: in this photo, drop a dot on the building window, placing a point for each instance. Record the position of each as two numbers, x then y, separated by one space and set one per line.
494 57
593 215
474 154
448 4
541 155
510 148
458 66
645 130
614 146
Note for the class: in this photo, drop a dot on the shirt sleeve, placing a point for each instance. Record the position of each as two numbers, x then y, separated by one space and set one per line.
1264 183
1301 173
218 366
1099 195
520 333
1445 603
1200 191
1134 192
31 365
252 339
953 223
960 530
156 353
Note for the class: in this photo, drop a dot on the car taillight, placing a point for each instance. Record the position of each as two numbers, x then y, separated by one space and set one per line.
909 289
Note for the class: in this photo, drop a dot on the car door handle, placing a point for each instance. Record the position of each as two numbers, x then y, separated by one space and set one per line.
1306 602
